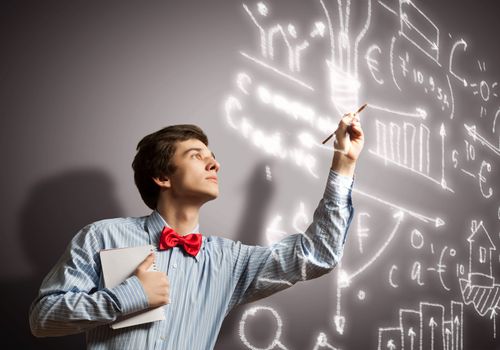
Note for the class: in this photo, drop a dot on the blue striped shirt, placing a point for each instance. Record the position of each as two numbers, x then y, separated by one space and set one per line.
203 289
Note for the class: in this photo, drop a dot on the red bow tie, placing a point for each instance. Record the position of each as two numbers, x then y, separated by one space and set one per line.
191 242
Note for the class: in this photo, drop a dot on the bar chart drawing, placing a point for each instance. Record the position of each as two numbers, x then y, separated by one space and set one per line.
408 146
427 327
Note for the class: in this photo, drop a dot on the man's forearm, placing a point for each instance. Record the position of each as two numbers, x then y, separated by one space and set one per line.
343 165
71 312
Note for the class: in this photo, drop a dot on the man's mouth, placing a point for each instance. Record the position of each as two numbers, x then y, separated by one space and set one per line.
214 179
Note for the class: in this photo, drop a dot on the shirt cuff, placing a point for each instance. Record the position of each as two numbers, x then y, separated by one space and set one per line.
131 295
338 187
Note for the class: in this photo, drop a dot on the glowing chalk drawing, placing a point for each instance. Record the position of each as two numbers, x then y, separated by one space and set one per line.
389 149
427 82
344 83
279 72
322 343
399 218
373 63
276 343
415 138
362 231
418 113
273 233
300 223
441 268
425 328
269 143
342 282
321 340
471 130
417 239
269 176
437 221
391 281
412 22
480 288
462 43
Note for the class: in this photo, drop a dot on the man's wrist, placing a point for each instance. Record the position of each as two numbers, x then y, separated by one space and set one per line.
342 164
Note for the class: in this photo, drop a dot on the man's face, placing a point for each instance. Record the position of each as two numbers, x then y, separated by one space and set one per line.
196 173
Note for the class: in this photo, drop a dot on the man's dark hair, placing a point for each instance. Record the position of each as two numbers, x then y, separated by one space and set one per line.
154 157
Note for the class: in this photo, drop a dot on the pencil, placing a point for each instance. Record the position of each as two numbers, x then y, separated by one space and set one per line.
357 112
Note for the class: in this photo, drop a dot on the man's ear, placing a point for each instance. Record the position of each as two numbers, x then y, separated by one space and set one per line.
162 182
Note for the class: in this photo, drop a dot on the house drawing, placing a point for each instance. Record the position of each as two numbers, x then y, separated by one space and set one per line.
480 256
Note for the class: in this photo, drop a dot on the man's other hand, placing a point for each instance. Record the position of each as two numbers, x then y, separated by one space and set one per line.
155 283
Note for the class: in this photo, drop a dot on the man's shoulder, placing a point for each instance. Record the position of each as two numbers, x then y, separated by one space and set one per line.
114 231
110 223
218 241
224 243
221 243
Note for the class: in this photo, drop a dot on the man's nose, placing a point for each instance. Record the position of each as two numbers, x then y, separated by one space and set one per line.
213 165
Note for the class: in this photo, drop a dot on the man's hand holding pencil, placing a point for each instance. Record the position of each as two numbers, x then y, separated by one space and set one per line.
349 140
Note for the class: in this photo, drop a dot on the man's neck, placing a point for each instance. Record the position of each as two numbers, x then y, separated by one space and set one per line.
183 218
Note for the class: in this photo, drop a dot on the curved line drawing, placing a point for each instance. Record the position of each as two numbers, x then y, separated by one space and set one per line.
460 42
399 215
391 60
360 36
452 98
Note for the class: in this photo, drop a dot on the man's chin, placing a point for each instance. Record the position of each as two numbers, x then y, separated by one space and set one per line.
212 195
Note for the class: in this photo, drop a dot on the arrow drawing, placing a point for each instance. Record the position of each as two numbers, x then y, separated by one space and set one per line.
437 220
475 135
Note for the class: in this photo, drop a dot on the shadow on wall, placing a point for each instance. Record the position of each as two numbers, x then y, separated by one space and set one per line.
251 228
54 211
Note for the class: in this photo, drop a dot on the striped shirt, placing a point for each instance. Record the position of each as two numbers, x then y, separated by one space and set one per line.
203 289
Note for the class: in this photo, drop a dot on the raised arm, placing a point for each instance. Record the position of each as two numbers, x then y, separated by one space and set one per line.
262 271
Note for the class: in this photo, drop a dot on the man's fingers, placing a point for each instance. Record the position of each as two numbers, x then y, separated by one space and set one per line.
347 125
356 129
146 263
356 125
344 123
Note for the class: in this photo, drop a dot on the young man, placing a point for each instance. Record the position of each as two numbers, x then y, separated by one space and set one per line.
203 277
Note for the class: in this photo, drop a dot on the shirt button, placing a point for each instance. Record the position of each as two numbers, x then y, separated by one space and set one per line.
162 338
174 266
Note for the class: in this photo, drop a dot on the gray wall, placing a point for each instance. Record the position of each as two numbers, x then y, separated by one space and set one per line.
82 81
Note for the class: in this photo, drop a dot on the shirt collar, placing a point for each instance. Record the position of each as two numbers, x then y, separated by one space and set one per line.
154 225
